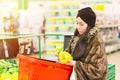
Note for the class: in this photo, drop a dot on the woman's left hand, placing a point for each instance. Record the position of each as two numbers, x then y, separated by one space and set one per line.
71 62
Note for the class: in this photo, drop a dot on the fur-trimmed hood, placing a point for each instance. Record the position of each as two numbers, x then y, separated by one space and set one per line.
93 32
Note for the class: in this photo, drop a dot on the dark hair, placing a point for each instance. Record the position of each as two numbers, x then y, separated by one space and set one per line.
81 44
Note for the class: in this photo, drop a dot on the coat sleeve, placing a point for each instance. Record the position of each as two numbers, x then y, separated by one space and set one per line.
94 66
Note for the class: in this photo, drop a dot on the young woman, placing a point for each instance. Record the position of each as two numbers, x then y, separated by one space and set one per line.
87 48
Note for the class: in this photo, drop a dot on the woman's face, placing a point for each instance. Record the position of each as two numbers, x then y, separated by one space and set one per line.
81 25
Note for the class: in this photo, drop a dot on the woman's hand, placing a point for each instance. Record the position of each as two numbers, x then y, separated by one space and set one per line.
71 63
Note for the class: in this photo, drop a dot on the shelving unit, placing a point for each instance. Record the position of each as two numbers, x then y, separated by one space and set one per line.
60 20
110 37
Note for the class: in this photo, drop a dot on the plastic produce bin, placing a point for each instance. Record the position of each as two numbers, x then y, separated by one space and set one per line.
31 68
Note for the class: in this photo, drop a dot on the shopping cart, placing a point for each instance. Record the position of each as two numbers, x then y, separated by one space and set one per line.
31 68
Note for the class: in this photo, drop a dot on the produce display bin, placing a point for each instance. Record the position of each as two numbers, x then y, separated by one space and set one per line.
14 49
2 50
8 51
31 68
10 46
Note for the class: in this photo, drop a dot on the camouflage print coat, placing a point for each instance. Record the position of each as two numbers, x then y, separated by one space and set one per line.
94 65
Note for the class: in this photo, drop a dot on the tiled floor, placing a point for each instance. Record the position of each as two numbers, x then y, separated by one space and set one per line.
114 58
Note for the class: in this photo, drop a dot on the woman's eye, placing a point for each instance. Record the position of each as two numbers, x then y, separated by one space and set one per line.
81 24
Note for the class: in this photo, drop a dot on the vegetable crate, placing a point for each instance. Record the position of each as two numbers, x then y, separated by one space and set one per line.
31 68
111 72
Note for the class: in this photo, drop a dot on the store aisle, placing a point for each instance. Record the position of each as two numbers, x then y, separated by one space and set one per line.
114 58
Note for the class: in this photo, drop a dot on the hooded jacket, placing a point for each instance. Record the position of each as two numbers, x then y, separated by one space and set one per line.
93 66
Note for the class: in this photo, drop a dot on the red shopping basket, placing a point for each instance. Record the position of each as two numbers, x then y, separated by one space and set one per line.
31 68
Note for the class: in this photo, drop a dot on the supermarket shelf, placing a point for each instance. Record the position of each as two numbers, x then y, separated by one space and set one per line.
59 33
53 1
62 25
108 26
56 1
101 26
50 49
111 40
53 34
61 17
112 48
12 36
63 10
55 40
